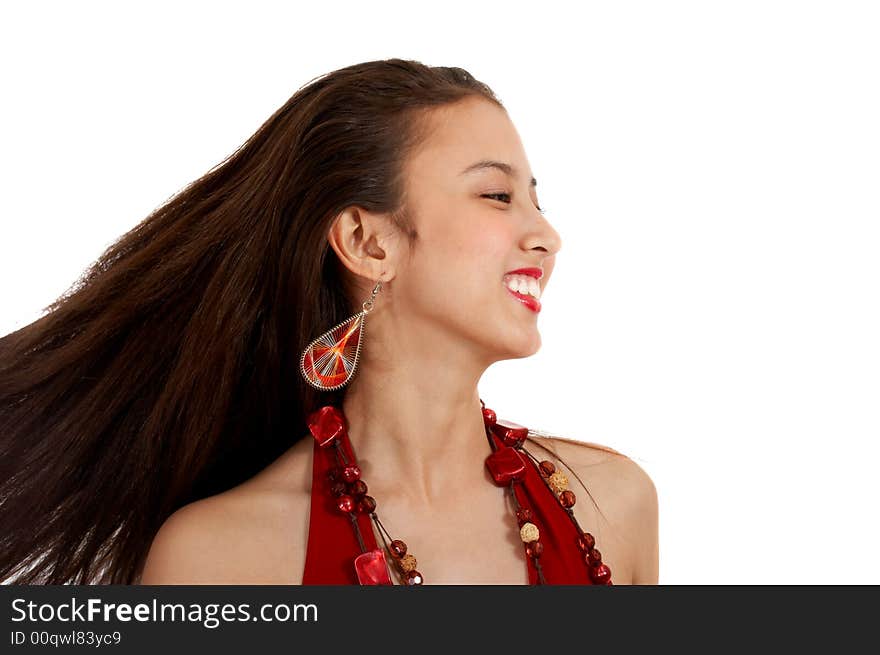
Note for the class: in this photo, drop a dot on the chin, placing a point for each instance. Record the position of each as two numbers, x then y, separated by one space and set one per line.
526 347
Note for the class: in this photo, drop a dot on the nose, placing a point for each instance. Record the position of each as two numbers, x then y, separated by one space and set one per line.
545 237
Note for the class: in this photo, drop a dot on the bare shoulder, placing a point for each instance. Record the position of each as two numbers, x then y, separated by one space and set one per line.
254 533
629 481
621 493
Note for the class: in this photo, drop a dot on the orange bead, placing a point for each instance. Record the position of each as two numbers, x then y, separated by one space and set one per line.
558 482
407 563
547 468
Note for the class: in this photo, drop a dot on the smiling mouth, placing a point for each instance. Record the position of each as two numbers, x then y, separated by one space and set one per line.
532 303
525 288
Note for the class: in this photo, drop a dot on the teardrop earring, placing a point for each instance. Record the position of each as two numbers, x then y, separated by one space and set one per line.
329 362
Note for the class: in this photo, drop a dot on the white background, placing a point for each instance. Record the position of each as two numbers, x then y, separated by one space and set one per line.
713 169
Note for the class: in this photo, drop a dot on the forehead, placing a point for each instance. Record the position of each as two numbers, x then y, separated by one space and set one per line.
462 134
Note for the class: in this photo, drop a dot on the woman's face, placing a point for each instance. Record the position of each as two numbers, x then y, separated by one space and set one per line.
470 238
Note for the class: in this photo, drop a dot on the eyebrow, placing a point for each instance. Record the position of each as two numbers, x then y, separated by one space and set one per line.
489 163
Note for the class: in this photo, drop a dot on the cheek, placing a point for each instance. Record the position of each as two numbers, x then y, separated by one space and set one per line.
479 241
464 254
480 258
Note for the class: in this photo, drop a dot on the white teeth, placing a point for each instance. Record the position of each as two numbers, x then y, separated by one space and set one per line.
523 284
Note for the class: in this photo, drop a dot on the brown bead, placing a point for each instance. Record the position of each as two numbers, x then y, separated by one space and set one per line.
351 473
345 503
338 488
523 515
397 548
586 542
367 504
534 548
547 468
600 574
567 499
357 488
594 557
413 578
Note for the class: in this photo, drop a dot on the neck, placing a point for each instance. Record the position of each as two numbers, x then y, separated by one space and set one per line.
416 425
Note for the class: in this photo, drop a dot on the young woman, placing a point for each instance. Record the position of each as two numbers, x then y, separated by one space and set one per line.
209 405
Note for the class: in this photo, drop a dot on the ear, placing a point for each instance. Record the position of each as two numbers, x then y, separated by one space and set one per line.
366 243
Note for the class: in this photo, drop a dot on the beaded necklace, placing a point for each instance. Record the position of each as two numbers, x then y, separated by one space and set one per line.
507 465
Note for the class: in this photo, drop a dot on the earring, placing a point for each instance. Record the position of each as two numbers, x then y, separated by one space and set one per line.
329 361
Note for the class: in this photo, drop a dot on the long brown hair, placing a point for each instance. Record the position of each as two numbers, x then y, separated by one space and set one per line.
170 370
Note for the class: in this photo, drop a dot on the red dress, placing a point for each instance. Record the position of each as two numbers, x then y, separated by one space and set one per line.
333 545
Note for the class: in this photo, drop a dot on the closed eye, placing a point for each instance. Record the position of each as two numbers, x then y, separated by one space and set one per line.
505 195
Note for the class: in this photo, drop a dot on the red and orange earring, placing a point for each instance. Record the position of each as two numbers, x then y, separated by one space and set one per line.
329 362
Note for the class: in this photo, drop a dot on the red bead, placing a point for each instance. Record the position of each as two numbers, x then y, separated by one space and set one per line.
523 515
534 548
594 557
413 578
367 504
547 468
398 548
338 488
489 417
586 542
600 574
512 434
345 503
505 464
357 488
372 568
567 498
351 473
326 425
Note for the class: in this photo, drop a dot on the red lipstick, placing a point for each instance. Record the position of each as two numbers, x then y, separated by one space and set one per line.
533 271
532 303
